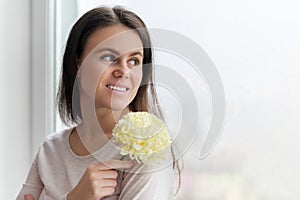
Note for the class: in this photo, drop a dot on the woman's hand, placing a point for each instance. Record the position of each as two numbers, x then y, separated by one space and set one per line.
28 197
99 180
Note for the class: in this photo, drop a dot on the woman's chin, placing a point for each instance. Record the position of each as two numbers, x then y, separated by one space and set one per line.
118 108
114 107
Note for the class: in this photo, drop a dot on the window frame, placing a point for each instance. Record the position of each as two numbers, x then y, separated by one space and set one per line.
42 71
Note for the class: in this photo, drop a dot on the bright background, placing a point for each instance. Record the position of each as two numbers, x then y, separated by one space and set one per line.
255 46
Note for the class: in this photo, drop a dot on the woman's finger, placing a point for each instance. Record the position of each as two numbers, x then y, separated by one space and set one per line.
28 197
106 191
114 164
108 183
110 174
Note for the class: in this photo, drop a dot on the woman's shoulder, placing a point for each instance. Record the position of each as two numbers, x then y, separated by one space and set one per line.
52 153
60 134
57 139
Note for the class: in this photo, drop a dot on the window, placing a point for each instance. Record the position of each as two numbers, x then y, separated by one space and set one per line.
66 14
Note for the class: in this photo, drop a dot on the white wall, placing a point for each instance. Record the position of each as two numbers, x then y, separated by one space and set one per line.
15 138
26 92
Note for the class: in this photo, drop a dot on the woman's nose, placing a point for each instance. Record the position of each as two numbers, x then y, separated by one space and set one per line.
121 69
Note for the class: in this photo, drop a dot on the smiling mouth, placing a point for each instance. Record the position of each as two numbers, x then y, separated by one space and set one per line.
117 88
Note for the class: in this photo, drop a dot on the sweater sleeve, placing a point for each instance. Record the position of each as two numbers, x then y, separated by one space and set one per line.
33 184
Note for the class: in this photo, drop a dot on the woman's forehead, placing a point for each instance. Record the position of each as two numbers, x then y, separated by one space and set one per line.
118 37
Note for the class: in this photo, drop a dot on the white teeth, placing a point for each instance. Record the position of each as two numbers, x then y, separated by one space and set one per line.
121 89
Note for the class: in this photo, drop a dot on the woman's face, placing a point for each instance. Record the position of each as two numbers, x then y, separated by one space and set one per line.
111 67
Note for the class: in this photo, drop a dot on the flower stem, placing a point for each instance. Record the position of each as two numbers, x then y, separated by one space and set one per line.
123 157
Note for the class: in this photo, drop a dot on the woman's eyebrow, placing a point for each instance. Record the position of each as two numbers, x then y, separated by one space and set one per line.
136 53
117 52
108 49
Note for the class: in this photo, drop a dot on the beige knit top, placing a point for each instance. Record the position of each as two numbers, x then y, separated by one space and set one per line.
56 170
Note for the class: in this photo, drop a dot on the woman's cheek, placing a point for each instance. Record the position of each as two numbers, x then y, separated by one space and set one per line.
90 73
138 75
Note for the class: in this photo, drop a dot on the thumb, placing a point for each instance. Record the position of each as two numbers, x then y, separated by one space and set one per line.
28 197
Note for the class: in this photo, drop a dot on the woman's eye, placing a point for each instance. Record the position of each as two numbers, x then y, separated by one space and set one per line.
134 62
108 58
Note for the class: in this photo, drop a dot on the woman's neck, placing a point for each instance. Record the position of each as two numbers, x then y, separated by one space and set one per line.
96 127
108 118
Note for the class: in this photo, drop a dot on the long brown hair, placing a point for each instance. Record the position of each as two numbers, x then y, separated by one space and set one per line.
68 92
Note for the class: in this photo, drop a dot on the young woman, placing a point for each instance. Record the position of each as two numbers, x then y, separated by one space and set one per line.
106 73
